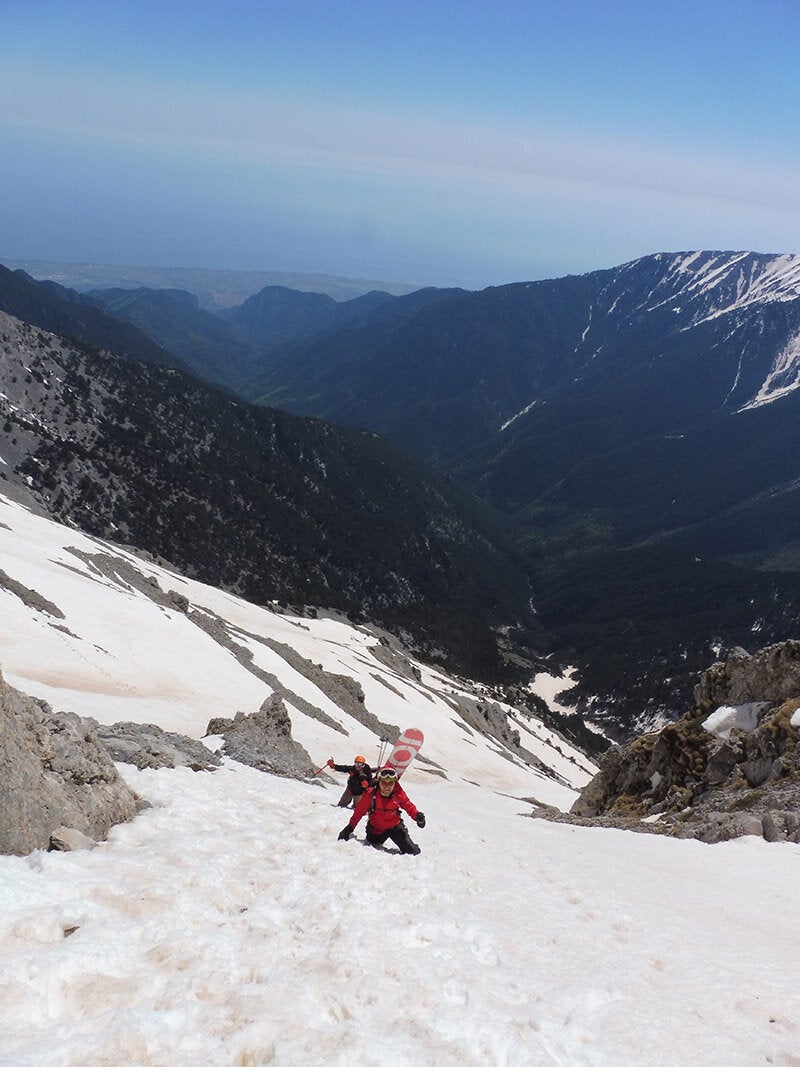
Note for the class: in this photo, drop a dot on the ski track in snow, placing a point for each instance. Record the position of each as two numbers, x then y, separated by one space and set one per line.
227 925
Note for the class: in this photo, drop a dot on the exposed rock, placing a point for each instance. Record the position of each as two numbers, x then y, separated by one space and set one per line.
343 690
217 629
264 740
772 674
384 653
487 717
719 826
65 839
780 825
30 597
729 767
145 745
54 773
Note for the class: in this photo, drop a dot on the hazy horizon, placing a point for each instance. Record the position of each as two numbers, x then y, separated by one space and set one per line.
447 144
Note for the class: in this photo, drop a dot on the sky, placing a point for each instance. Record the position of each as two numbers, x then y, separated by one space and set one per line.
226 924
447 143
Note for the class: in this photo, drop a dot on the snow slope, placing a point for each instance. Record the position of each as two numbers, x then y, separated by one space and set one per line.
717 283
227 925
119 655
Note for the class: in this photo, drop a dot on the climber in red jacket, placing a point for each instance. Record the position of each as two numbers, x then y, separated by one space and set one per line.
382 804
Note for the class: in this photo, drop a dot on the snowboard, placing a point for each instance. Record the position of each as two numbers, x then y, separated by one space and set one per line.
405 749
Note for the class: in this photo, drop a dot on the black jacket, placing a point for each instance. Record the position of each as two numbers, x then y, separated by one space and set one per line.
358 780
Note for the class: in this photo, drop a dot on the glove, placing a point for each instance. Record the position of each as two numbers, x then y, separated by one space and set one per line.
420 820
344 835
330 762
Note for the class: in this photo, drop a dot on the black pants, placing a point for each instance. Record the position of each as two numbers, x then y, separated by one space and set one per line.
398 834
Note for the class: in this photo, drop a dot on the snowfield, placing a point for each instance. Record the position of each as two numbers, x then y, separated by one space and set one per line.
227 925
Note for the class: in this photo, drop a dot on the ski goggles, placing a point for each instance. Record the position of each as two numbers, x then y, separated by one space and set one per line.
387 776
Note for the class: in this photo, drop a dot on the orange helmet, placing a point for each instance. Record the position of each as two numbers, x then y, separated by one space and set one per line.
359 759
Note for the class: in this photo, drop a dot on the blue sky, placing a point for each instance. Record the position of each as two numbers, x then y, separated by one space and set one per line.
437 142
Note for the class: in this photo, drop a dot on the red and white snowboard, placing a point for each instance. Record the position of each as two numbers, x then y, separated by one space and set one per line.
405 749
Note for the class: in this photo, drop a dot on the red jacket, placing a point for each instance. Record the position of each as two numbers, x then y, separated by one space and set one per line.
386 813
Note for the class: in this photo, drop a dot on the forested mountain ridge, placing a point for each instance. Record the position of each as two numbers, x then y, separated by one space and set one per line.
266 504
212 348
581 403
522 342
69 314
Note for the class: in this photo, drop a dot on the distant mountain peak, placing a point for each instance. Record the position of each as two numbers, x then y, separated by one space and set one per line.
717 283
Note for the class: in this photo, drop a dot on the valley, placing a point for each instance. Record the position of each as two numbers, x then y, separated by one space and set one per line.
625 443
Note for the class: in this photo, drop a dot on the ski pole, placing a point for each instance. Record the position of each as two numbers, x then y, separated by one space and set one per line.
381 749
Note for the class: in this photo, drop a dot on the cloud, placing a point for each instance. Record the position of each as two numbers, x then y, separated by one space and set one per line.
319 138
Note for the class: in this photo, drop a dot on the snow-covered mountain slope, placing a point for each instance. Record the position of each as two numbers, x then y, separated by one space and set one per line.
226 925
279 507
676 407
452 373
93 630
752 298
716 283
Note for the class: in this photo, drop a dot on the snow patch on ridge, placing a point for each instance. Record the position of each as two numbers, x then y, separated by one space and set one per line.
718 283
518 415
771 279
783 378
730 716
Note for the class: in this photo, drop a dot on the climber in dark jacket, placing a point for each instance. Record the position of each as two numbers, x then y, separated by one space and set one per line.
359 779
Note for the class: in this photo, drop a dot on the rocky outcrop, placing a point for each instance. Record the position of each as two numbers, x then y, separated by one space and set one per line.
487 717
29 597
730 766
54 776
771 674
385 653
264 740
65 839
145 745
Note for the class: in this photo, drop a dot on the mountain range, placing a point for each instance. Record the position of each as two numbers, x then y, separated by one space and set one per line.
214 288
636 428
585 401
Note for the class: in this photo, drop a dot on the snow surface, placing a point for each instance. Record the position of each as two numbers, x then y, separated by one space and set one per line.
118 656
783 378
769 279
227 925
549 687
727 716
